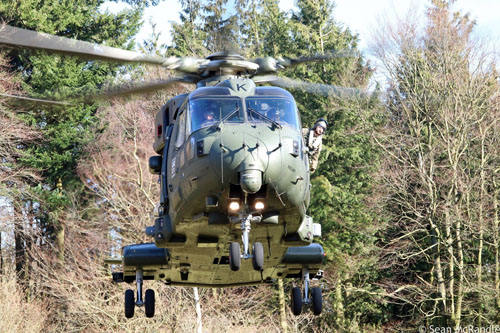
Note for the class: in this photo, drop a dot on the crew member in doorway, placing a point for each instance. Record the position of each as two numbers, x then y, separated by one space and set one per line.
313 138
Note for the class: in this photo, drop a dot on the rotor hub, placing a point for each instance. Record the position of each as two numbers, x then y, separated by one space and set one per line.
225 55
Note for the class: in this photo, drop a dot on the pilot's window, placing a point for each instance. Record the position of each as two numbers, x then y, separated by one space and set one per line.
181 130
281 110
166 117
205 112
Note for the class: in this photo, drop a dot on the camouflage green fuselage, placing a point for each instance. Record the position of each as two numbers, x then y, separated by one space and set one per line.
204 170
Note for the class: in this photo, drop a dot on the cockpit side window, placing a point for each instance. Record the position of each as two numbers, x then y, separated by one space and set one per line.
279 109
181 130
205 112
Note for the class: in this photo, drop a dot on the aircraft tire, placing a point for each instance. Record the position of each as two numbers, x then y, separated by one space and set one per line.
149 303
234 256
129 303
258 256
296 301
317 300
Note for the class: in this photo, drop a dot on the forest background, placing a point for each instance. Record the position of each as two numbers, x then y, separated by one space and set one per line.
407 189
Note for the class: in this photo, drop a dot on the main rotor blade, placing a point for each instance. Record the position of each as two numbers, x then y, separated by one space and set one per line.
314 88
271 65
148 87
36 100
13 36
290 62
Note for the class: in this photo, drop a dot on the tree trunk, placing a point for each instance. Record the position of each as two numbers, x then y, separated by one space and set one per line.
198 310
460 288
28 250
338 305
59 237
482 197
20 257
496 236
437 264
1 255
452 200
451 261
284 326
61 227
427 177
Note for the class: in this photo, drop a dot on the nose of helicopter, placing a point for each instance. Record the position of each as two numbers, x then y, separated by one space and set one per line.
239 157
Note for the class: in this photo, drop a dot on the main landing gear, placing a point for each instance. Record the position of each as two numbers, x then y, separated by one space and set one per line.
311 297
148 302
257 254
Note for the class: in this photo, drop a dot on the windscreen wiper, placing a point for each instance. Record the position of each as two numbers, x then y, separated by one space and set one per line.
230 114
275 123
217 123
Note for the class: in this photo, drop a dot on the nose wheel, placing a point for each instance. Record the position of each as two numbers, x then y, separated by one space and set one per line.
148 302
298 299
257 254
235 256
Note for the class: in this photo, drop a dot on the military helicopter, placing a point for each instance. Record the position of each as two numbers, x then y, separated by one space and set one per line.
234 174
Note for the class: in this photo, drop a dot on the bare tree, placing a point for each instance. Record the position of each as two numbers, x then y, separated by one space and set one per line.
443 108
14 135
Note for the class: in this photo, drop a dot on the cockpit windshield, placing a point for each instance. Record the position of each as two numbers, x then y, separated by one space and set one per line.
205 112
279 109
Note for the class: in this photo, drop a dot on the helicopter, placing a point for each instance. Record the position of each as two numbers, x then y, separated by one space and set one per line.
233 173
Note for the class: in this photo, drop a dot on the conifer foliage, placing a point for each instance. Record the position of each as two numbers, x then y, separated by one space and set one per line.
406 191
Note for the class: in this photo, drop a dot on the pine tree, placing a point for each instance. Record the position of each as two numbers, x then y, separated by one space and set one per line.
188 36
250 37
220 31
343 185
65 131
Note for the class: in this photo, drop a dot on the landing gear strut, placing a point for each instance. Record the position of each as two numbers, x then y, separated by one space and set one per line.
298 299
257 255
139 279
148 302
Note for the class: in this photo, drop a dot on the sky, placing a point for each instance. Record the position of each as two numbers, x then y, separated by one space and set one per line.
360 16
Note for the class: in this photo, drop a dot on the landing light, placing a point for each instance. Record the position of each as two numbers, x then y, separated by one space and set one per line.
234 206
259 205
